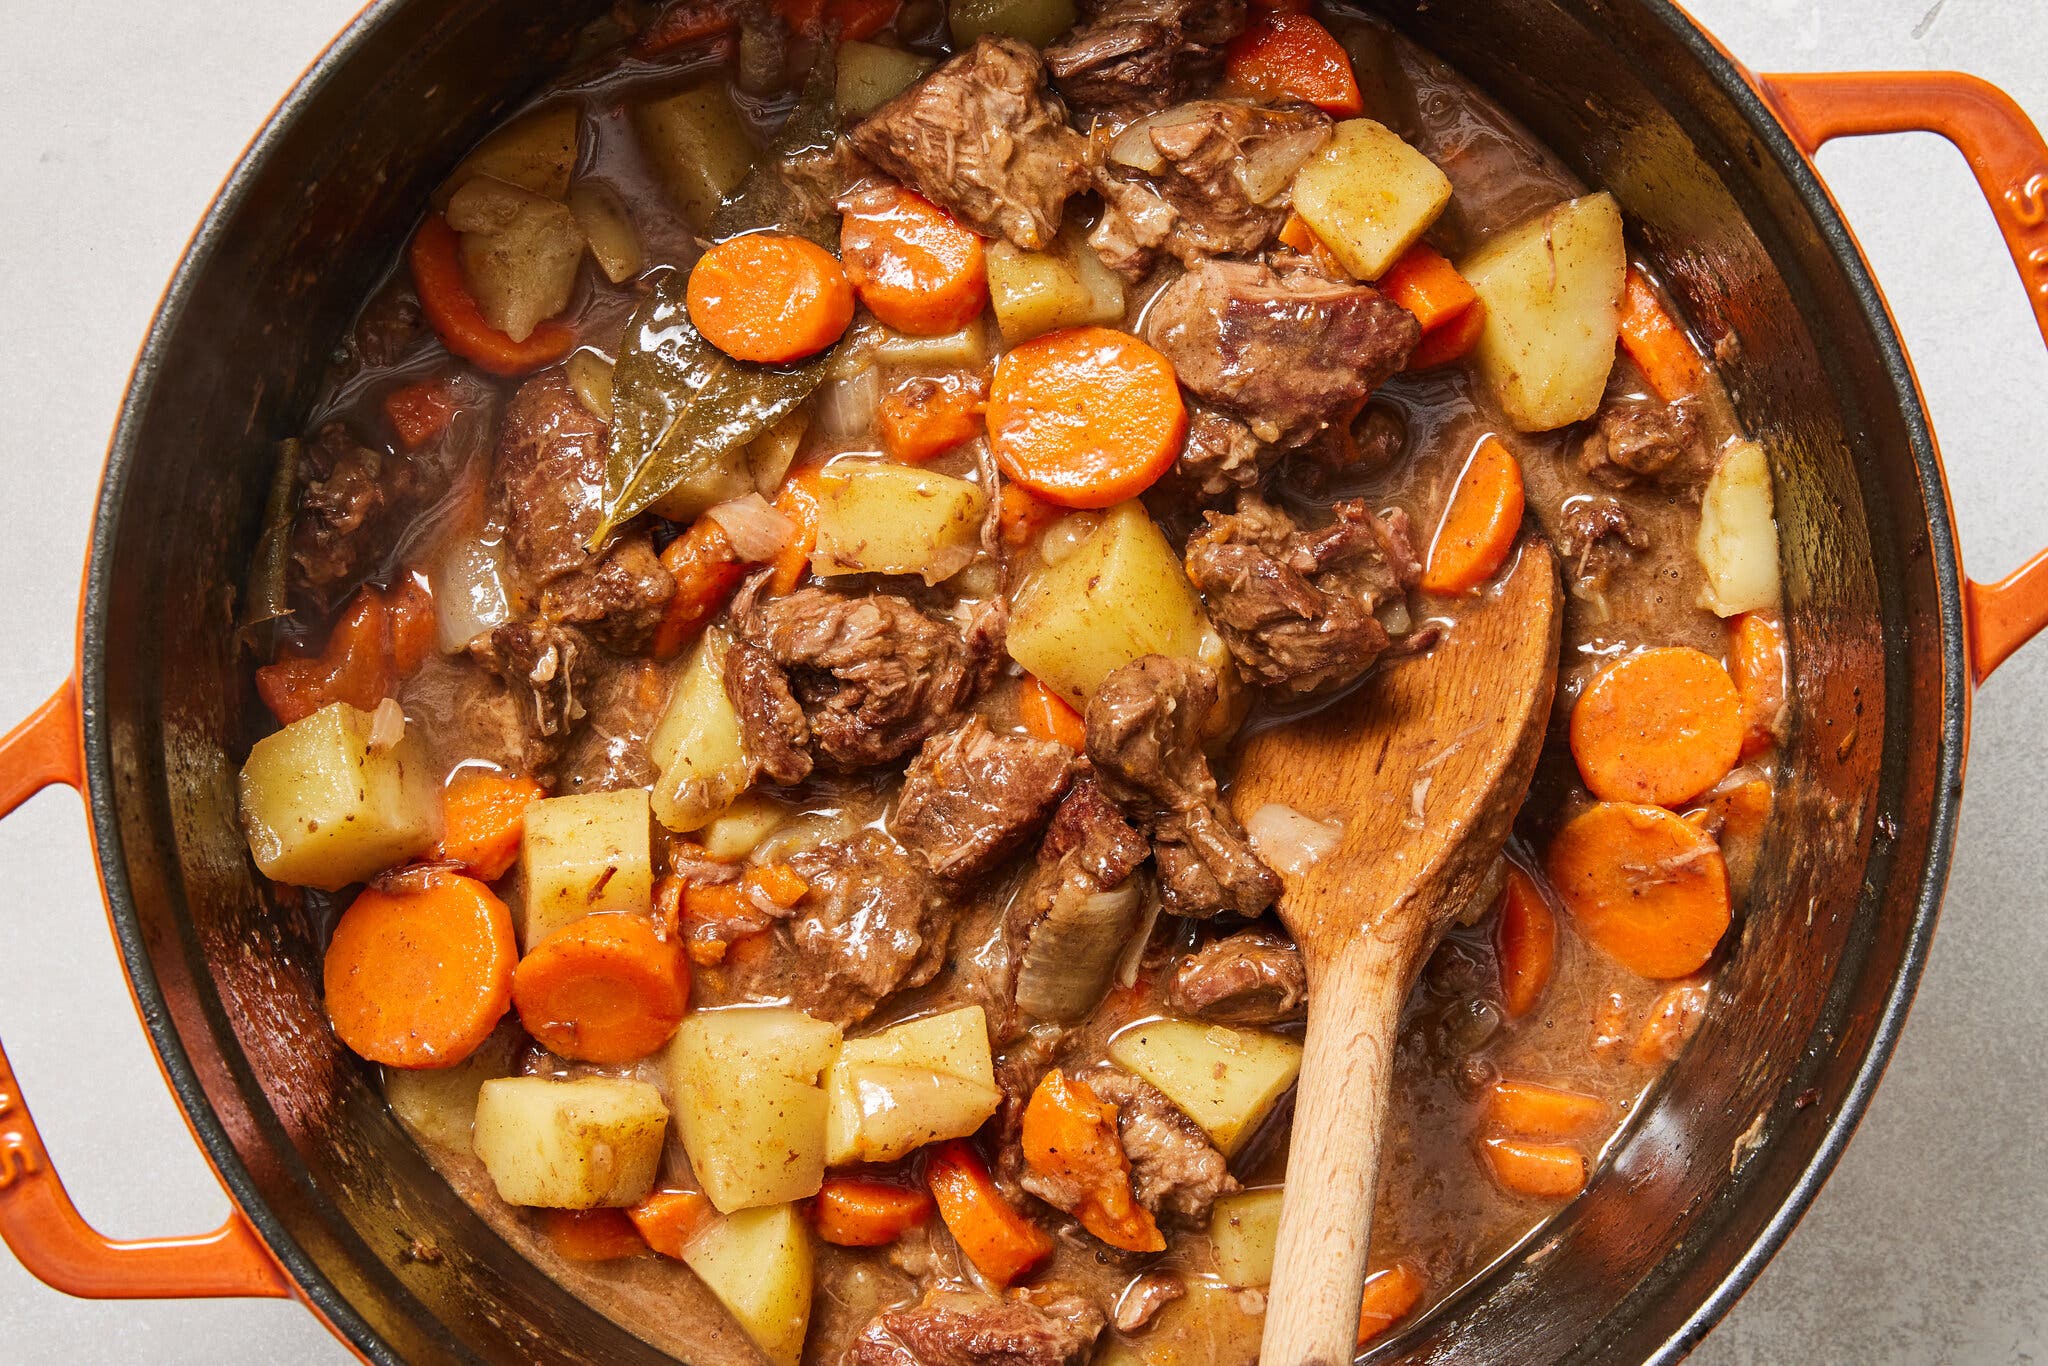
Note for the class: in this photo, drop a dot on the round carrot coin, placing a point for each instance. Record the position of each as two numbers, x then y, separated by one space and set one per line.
1661 727
606 988
1644 885
769 297
1085 417
420 977
1480 524
912 263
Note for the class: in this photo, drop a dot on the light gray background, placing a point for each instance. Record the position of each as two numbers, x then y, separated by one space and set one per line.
1929 1245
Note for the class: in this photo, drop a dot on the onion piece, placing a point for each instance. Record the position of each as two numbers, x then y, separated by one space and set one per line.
845 407
1289 842
1134 147
469 592
1269 167
387 726
756 530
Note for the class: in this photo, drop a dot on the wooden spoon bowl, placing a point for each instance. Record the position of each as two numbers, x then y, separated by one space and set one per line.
1426 770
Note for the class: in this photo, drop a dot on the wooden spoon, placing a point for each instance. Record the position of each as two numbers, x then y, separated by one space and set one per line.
1426 770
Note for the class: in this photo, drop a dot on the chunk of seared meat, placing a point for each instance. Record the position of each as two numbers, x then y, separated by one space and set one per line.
983 137
1219 456
872 677
1145 740
960 1328
1176 1172
468 714
1070 924
354 500
1248 978
1144 1297
1297 607
1209 159
1643 441
1132 57
622 702
1594 536
1289 354
388 327
548 663
619 599
874 922
971 797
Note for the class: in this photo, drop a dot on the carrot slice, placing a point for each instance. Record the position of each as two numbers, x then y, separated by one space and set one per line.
592 1235
485 818
1451 342
995 1235
1296 233
1549 1171
1673 1018
1428 286
685 21
1021 518
912 263
1069 1135
857 20
1085 417
451 308
668 1220
1292 57
707 572
1525 941
1537 1111
929 415
354 667
857 1211
1047 715
1480 524
1643 884
1391 1294
769 297
1659 727
420 412
797 501
420 977
1756 663
606 988
409 625
1656 343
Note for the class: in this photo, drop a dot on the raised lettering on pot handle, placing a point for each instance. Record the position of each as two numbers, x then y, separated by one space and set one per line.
37 1219
2010 162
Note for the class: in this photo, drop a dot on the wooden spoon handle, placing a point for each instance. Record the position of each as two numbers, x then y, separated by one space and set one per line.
1334 1157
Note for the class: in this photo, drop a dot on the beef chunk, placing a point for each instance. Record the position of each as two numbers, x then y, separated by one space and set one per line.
874 922
1221 455
354 502
1071 923
1175 1171
773 730
1637 441
1289 355
1297 607
388 327
547 662
623 701
1249 978
1144 1297
1595 535
1131 57
468 715
959 1328
874 676
619 600
1145 739
970 797
1205 158
983 137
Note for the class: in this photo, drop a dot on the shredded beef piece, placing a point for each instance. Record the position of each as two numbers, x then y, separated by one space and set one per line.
1145 739
1144 1297
772 726
970 797
1176 1171
1296 607
620 600
1131 57
1288 355
623 701
1248 978
874 676
354 501
1207 212
388 327
1064 930
1220 455
546 661
959 1328
983 137
1594 536
1643 441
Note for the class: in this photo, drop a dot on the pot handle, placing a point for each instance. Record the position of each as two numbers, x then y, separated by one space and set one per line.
2010 161
37 1219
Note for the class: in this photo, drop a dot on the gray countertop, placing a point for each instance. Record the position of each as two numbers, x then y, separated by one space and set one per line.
1929 1245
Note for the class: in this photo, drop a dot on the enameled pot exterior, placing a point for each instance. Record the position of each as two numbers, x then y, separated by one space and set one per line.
1711 165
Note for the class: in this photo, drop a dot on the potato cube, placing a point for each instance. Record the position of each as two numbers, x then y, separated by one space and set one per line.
1738 537
1369 196
697 743
1064 286
614 241
1244 1228
1037 22
321 809
737 833
1552 287
536 152
1227 1080
438 1104
777 1038
871 75
889 1086
581 854
759 1264
966 349
570 1144
698 145
875 518
748 1104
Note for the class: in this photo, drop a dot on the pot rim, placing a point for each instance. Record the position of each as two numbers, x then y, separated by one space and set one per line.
1728 75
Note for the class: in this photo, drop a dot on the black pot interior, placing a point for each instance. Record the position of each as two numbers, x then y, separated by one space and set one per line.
1712 1173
